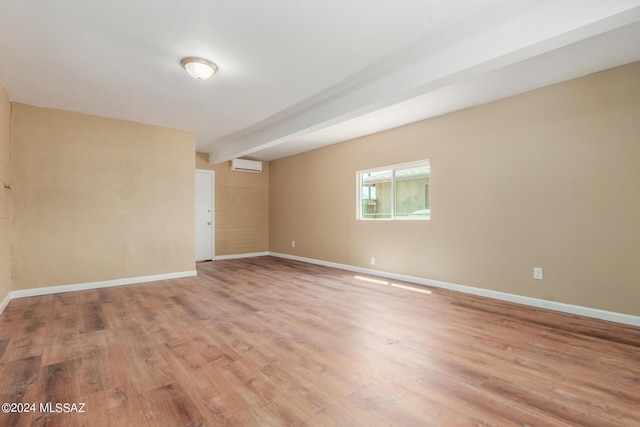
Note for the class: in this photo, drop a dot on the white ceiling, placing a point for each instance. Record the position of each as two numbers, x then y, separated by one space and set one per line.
298 75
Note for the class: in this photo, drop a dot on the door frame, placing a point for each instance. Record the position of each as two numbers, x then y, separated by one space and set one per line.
213 211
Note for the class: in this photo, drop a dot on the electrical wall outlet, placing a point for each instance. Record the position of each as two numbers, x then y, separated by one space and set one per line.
373 260
293 243
537 273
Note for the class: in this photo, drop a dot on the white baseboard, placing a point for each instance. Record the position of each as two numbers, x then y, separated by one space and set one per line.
237 256
534 302
5 302
101 284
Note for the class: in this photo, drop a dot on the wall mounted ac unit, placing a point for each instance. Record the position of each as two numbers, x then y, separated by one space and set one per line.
243 165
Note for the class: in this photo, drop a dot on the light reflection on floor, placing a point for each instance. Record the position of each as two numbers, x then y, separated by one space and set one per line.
395 285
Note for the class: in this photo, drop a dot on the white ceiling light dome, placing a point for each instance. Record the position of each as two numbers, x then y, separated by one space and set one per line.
199 68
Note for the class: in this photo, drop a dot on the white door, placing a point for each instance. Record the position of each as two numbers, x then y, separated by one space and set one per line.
204 215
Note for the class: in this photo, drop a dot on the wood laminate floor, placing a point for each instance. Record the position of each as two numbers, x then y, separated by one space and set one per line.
272 342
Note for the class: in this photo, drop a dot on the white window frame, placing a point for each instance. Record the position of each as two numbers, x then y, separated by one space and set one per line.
393 169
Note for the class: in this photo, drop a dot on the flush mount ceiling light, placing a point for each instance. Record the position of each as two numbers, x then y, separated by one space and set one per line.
199 68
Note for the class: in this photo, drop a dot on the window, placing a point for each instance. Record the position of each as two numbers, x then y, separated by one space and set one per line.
394 192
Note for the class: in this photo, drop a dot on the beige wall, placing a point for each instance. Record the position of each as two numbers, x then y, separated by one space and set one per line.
241 208
98 199
5 194
549 178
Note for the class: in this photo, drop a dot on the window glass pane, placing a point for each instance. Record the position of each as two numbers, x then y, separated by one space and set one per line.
376 194
412 192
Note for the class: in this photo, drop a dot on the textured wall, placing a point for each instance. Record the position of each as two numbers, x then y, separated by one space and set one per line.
548 178
98 199
5 194
241 208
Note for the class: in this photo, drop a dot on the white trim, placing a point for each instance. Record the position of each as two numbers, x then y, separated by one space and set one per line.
611 316
102 284
5 302
237 256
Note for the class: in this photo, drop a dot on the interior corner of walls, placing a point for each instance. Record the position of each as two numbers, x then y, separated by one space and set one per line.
5 302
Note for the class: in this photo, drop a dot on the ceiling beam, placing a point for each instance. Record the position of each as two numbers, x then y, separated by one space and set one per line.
421 69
